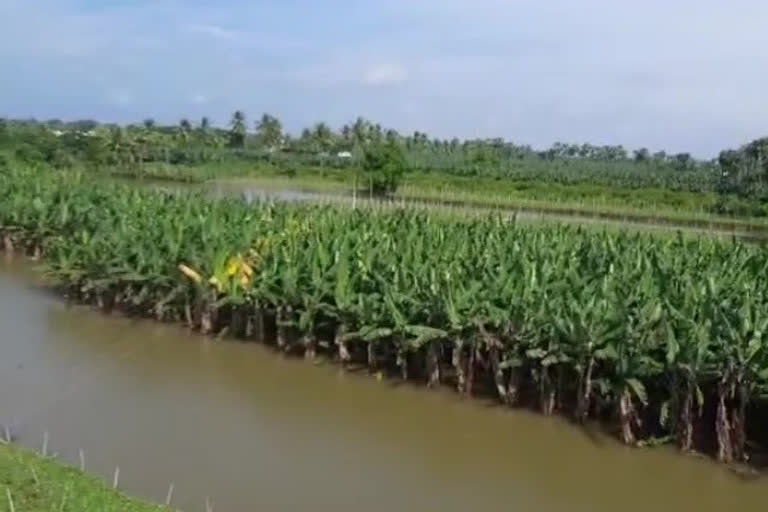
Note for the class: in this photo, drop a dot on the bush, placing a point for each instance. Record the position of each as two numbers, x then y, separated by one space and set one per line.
384 165
5 161
740 207
29 154
287 170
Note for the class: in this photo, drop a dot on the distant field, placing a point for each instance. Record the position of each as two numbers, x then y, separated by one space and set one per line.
672 208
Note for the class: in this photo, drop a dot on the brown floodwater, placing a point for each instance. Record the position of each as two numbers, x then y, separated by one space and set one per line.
250 430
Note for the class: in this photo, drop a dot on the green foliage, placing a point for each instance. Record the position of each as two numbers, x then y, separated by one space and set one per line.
30 154
736 206
734 184
745 171
4 131
384 166
238 130
269 131
184 144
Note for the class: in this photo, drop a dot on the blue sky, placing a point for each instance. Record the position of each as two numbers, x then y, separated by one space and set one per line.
683 75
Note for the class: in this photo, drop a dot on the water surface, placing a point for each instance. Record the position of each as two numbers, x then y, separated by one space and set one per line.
251 430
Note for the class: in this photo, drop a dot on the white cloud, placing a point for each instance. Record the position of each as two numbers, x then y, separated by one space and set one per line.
385 74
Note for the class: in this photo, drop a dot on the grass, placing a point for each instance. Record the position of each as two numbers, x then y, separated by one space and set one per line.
30 483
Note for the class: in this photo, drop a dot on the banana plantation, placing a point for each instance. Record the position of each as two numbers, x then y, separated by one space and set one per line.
658 338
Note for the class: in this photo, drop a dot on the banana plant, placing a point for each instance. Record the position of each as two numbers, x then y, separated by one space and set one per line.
742 326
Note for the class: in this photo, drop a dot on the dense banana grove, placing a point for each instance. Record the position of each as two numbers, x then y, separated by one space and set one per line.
662 337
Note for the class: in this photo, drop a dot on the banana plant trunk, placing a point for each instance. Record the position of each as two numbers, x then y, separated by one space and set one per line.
739 424
686 419
548 392
189 316
627 417
498 373
457 359
341 344
238 323
470 370
402 361
513 385
310 346
585 391
372 360
722 421
105 300
282 335
257 328
160 309
208 319
433 365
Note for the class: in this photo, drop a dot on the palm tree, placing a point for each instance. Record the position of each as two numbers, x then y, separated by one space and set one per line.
202 137
185 127
305 140
322 136
346 133
270 131
376 133
237 130
361 131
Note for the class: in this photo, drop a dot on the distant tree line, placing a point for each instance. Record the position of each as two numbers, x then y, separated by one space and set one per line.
743 172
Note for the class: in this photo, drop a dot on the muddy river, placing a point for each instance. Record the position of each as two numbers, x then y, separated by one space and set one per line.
250 430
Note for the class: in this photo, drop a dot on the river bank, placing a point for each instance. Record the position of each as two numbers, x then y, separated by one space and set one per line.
33 483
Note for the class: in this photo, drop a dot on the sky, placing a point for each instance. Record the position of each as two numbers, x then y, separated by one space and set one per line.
680 75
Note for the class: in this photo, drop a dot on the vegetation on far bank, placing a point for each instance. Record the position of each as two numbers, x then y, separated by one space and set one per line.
379 161
31 483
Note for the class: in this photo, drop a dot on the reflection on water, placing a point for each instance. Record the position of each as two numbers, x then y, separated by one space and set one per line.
255 431
231 189
252 193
